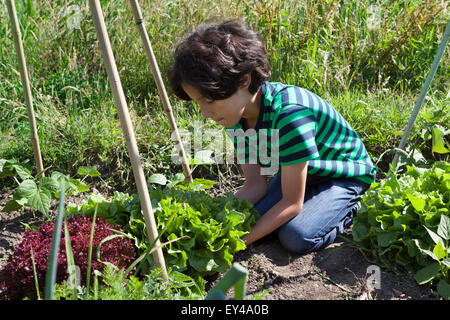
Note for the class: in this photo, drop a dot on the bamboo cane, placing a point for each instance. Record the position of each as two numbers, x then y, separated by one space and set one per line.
160 85
127 128
26 85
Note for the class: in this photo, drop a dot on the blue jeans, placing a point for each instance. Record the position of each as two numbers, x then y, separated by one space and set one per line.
328 210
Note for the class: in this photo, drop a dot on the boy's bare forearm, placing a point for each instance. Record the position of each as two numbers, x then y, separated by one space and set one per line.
252 193
278 215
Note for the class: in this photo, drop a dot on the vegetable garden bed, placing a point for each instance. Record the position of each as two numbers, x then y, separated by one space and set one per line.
335 273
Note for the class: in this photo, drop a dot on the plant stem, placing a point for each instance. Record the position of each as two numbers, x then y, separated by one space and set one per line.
91 240
50 278
36 283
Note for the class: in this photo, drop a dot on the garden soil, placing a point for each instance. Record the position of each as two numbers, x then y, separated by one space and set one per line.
337 272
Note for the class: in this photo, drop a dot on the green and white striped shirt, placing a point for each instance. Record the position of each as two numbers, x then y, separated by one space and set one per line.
294 126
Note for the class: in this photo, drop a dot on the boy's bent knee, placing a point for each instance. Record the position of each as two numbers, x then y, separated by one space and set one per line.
296 239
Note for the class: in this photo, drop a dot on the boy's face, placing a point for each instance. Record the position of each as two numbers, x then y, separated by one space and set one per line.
225 112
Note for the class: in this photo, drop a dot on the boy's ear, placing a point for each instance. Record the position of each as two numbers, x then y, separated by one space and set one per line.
245 81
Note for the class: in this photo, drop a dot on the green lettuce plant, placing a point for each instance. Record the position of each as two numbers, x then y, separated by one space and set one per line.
405 220
202 232
439 252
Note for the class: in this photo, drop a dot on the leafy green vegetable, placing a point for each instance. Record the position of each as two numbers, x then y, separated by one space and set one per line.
90 171
438 144
201 238
213 229
406 220
30 194
37 193
158 178
10 167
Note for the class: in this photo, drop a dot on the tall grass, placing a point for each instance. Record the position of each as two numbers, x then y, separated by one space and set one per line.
368 58
337 45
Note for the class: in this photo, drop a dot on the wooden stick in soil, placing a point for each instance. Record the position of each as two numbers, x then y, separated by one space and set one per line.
127 128
26 85
160 85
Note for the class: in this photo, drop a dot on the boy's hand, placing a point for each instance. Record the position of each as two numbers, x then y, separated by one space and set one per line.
255 186
293 183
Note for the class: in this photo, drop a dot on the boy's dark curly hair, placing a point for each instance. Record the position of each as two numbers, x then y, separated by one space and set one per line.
214 58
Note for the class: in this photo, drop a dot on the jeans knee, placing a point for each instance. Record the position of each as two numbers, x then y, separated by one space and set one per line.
296 239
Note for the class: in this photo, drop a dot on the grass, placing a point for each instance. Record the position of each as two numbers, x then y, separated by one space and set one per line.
367 58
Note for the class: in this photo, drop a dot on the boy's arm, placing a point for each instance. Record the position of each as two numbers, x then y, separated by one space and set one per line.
293 182
255 186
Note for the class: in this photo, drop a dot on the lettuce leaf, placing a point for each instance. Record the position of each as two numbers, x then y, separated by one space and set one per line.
201 239
397 215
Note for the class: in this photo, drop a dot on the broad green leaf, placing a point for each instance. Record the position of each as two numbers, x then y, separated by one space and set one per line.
177 259
90 171
176 179
73 186
21 201
218 245
444 227
202 260
428 273
47 183
23 172
359 231
425 251
224 259
433 235
444 289
235 241
416 201
158 178
438 141
79 186
203 183
180 280
439 250
7 171
385 238
11 205
187 243
41 201
36 198
7 168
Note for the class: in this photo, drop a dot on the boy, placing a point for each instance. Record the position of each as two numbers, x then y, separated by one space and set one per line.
324 167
